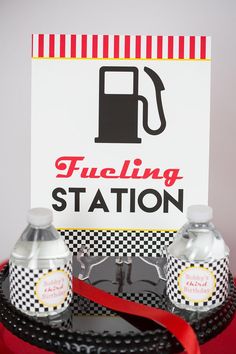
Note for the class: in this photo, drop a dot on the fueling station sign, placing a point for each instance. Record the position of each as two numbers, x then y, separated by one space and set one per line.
120 137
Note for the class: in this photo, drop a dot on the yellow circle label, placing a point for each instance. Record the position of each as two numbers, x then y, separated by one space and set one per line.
196 284
52 288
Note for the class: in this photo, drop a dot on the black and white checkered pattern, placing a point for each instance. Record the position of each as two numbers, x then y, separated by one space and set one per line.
22 288
220 269
116 243
84 307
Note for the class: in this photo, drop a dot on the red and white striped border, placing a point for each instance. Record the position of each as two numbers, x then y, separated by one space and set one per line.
73 46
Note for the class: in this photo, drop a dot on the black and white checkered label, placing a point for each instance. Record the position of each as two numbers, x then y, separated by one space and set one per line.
41 290
197 283
115 243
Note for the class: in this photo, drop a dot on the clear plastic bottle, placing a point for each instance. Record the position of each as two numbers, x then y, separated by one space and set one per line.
197 263
40 268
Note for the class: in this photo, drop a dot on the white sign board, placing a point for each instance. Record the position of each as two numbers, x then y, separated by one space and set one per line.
120 136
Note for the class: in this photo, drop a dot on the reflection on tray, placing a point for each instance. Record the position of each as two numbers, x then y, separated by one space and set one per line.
133 279
81 306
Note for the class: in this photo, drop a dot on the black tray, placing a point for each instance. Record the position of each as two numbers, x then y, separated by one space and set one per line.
89 328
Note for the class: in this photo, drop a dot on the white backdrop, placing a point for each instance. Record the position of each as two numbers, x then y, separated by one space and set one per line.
18 19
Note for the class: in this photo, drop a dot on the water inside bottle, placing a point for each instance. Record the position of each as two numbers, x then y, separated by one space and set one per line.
40 248
198 242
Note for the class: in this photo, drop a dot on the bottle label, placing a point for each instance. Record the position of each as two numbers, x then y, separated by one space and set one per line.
197 284
41 290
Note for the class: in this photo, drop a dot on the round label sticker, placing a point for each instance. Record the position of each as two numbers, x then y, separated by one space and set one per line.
52 288
196 284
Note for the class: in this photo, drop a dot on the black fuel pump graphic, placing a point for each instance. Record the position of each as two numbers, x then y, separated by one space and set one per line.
118 113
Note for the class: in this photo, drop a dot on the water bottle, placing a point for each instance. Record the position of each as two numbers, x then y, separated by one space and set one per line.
40 268
198 263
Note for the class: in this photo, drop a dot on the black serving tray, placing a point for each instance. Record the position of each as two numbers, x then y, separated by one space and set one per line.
86 327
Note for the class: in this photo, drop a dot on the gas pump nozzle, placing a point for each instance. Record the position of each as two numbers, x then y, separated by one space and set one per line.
158 84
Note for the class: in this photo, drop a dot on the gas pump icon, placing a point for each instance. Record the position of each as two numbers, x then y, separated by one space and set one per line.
118 112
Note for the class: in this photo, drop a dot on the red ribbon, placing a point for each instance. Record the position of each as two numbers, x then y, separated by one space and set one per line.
174 324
